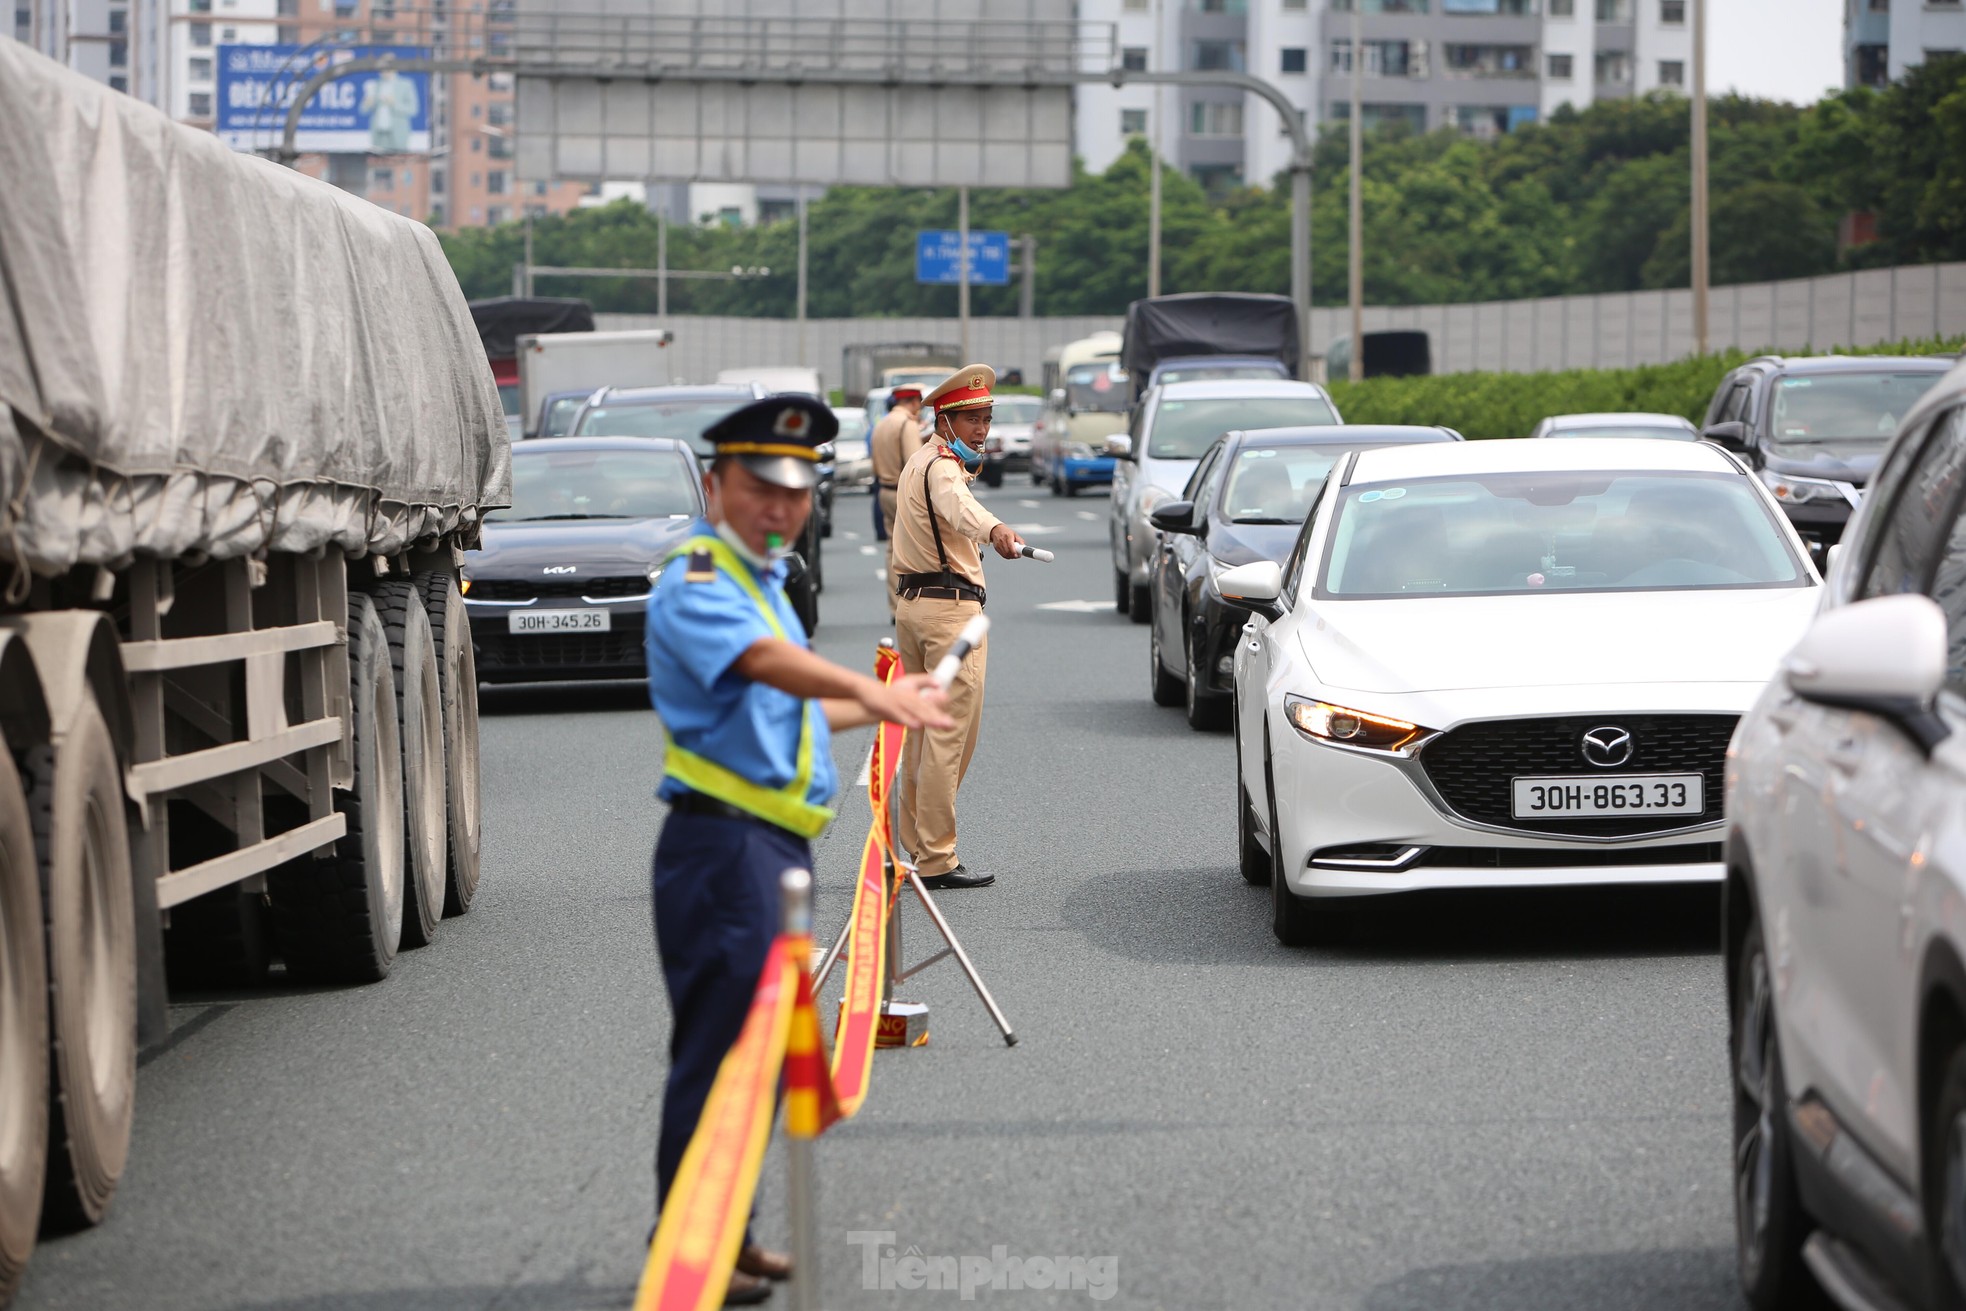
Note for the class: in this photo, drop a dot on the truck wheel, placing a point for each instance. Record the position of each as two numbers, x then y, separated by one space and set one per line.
457 683
83 842
339 920
23 1034
420 720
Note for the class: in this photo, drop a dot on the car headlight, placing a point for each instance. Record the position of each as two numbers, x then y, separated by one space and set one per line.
1800 491
655 572
1150 498
1322 722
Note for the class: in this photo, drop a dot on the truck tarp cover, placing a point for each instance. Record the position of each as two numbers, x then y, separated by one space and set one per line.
1207 323
201 351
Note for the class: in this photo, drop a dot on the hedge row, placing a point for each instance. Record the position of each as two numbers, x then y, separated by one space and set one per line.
1512 404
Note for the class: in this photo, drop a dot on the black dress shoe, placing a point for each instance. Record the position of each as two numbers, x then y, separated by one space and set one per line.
959 877
746 1290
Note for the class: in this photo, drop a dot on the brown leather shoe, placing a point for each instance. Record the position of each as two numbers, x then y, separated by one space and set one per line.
746 1290
762 1263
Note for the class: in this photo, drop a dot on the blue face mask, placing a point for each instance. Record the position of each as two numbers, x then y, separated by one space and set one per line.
972 460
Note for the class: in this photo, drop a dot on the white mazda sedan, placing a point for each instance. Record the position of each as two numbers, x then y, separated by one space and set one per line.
1506 664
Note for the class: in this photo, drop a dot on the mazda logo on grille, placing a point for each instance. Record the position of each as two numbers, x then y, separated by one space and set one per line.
1607 747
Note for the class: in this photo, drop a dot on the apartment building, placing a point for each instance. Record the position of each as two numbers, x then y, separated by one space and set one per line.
1476 66
1882 39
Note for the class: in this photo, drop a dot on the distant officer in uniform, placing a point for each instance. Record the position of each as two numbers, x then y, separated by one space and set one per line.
937 568
897 436
748 771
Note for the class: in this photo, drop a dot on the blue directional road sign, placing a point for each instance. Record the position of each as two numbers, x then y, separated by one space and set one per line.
938 258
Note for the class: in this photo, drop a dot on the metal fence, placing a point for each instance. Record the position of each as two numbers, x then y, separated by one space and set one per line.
1616 330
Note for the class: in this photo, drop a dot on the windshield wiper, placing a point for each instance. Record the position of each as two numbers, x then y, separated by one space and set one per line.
545 518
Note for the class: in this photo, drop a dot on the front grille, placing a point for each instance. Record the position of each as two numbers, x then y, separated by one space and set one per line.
522 589
1472 766
499 653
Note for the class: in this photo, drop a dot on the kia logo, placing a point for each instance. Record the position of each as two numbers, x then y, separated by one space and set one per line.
561 569
1607 747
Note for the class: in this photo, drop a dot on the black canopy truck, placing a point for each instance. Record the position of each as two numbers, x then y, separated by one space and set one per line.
247 433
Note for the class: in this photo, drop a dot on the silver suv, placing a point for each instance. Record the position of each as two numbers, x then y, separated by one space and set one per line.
1171 428
1845 910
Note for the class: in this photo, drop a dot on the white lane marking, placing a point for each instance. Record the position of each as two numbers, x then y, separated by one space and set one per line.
866 767
853 537
1029 505
1034 529
881 574
1089 516
869 550
1077 607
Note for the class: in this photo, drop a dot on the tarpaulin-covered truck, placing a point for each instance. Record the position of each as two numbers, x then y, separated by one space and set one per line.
247 432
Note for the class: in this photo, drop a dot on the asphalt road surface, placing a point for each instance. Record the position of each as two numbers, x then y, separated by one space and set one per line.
1484 1102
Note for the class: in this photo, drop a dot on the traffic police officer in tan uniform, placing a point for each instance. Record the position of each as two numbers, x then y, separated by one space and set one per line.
748 710
897 436
937 568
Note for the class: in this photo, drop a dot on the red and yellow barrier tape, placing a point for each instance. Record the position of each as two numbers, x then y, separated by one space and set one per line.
709 1203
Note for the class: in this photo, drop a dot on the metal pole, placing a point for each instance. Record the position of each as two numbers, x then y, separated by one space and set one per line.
662 263
1153 175
962 265
1356 370
1300 255
1027 296
802 275
528 252
1700 176
802 1198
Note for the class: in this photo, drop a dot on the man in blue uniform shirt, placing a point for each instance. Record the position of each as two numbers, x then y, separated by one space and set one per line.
748 772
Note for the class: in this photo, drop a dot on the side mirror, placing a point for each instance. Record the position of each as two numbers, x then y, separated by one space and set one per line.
1174 517
1733 435
1886 656
1119 446
1254 587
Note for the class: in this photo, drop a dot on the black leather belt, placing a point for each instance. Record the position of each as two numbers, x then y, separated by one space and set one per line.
939 587
886 487
695 803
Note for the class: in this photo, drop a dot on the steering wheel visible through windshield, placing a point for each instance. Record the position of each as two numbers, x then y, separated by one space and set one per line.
1182 430
1554 532
589 484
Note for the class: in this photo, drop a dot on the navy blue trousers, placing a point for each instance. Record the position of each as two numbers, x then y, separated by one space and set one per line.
716 912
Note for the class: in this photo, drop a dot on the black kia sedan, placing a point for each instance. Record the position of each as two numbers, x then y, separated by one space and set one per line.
560 588
1244 502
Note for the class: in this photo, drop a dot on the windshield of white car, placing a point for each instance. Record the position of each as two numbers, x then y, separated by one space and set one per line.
1208 372
1276 484
679 420
1832 407
1509 533
589 484
1653 431
559 415
1183 429
1099 388
1015 409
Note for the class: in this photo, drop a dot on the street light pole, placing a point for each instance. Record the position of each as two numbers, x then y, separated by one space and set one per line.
662 263
1700 340
1153 171
802 276
962 265
1356 371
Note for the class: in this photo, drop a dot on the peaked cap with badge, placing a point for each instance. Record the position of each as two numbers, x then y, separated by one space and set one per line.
777 438
965 389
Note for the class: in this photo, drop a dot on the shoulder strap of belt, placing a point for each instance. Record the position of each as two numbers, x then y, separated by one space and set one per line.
934 527
786 806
